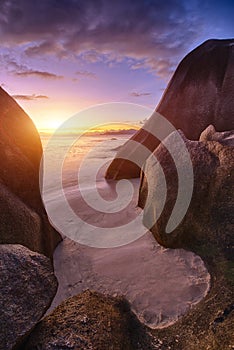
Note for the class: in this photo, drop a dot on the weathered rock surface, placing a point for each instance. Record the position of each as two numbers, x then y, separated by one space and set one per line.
27 287
19 223
207 230
213 171
20 155
200 93
89 321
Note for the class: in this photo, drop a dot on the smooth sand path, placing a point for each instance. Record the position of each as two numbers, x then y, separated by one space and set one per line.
161 284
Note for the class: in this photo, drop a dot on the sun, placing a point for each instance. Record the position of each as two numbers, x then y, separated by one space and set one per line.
53 124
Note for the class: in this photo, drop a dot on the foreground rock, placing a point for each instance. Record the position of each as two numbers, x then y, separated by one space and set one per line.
19 223
212 201
89 321
27 288
20 156
207 230
200 93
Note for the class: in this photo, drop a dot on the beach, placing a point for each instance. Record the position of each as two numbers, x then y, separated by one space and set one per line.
160 284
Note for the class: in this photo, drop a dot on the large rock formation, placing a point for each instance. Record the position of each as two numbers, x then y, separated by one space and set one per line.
89 321
207 230
27 288
213 170
23 217
200 93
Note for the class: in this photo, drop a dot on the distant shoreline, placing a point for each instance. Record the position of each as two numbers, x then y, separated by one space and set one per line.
91 133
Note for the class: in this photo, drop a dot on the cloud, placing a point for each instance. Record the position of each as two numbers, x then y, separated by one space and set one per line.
48 47
22 70
37 73
86 74
139 94
150 33
91 56
30 97
163 67
11 63
119 131
153 34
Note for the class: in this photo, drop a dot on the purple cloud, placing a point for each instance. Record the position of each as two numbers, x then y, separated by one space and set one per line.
86 74
139 94
153 34
37 73
22 70
30 97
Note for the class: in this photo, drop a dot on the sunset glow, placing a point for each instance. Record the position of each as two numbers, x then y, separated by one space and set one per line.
128 54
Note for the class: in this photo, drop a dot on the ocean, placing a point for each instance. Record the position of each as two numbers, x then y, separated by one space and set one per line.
102 146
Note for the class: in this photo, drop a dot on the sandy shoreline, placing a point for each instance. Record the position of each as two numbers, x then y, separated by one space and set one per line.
160 284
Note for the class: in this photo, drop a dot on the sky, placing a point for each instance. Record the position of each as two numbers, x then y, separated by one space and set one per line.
58 57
